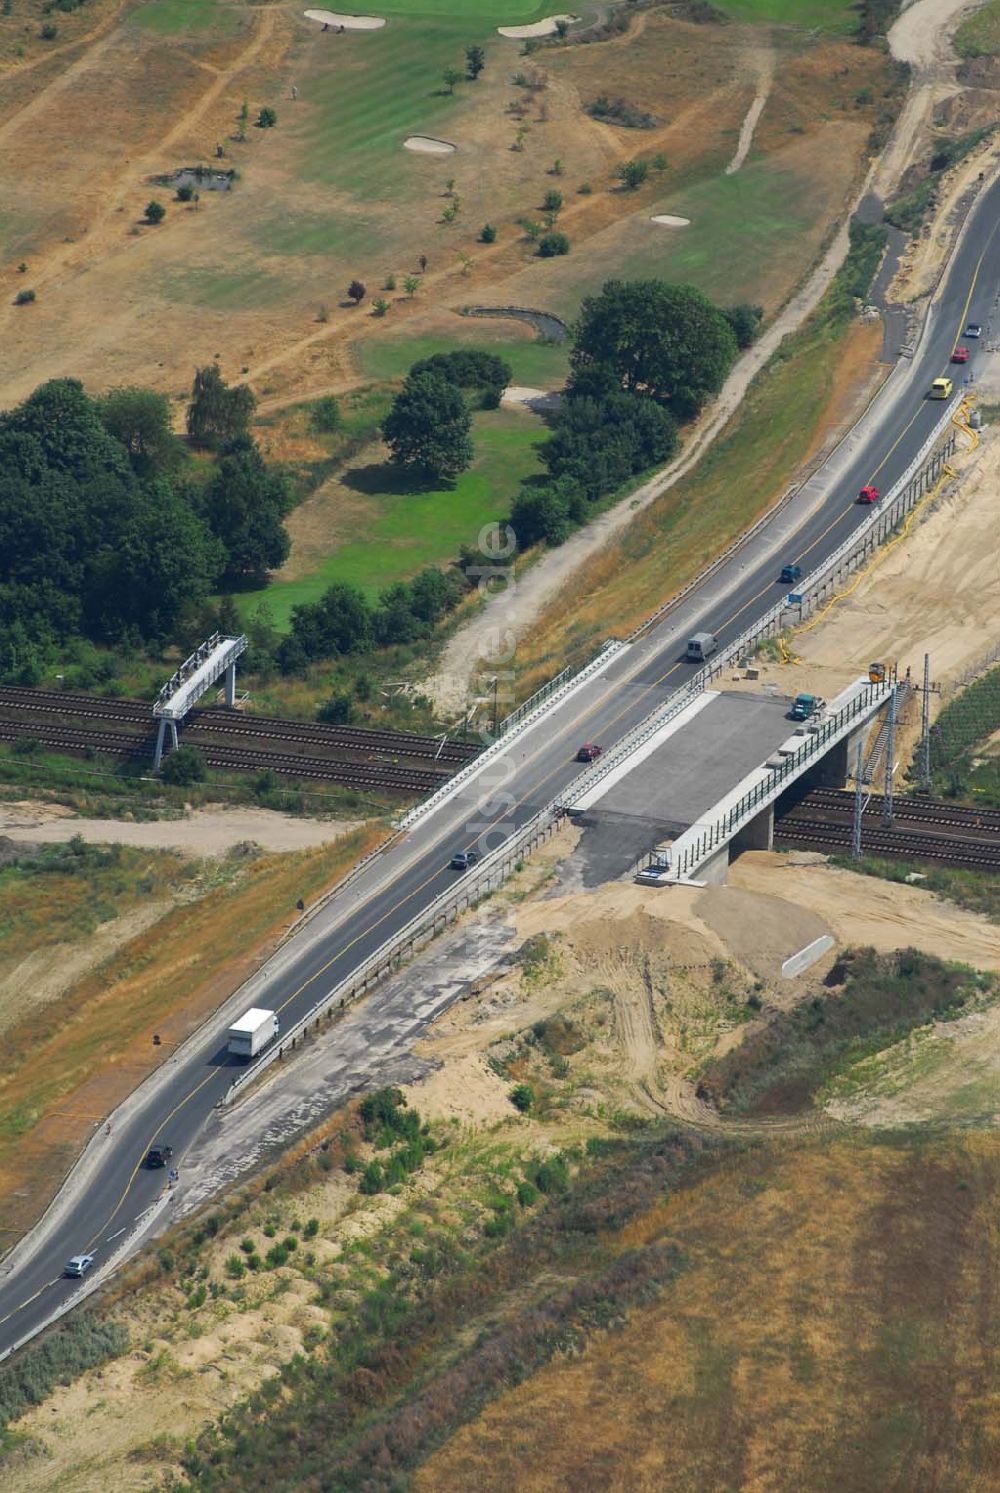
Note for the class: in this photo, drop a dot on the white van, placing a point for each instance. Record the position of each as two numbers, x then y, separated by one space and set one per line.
701 646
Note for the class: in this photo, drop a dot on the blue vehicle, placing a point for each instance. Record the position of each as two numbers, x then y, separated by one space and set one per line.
789 574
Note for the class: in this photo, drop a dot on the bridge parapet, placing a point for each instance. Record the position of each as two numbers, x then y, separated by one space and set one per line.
808 745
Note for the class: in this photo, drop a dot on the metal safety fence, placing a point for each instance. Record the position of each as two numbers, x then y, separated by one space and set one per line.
688 853
474 885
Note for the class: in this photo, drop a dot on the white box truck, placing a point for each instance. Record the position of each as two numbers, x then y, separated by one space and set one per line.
251 1034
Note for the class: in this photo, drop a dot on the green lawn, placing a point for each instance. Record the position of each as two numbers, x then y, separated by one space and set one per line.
499 12
538 364
395 533
832 15
757 229
173 17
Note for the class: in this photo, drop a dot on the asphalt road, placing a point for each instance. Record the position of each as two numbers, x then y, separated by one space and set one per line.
411 874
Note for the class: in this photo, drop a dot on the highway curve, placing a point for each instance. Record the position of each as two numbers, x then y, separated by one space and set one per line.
111 1190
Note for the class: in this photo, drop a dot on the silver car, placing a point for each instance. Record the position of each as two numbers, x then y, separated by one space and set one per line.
78 1265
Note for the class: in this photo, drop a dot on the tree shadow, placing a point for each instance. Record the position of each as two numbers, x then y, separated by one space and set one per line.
383 478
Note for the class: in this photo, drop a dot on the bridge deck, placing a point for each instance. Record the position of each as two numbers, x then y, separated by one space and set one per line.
681 774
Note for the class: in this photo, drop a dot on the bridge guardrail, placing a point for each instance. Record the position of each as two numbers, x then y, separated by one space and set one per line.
474 885
607 651
767 789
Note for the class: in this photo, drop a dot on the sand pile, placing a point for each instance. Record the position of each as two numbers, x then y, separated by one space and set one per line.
427 145
537 28
334 19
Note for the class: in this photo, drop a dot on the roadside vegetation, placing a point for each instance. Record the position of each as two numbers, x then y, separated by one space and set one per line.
873 1002
777 427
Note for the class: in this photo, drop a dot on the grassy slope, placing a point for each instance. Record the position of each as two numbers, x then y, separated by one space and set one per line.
81 1054
830 1332
396 532
831 15
979 34
666 546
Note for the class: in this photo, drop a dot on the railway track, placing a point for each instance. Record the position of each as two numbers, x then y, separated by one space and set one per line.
386 744
929 811
376 775
824 835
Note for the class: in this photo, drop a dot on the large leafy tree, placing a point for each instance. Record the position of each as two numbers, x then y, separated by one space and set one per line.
428 427
86 545
666 341
217 413
245 505
599 442
139 419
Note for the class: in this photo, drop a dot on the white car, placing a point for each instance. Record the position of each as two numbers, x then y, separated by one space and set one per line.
78 1265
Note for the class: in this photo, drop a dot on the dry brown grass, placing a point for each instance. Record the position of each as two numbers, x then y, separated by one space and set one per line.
832 1332
72 1061
113 307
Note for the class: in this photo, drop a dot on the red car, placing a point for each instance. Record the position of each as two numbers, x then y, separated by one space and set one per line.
868 494
589 752
960 355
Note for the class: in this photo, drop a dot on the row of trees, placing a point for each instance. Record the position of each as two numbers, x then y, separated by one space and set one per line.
107 530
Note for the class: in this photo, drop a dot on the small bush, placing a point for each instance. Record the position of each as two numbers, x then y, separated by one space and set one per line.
235 1268
24 297
522 1096
184 766
155 212
49 32
267 118
324 417
551 245
311 1229
488 233
185 192
620 112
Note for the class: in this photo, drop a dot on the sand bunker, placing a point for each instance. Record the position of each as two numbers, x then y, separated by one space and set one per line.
349 23
669 220
428 146
538 28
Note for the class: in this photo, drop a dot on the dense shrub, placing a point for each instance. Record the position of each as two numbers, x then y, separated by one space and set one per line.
551 245
619 111
876 1001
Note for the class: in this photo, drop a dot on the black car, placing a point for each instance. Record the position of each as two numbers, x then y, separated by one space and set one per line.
463 859
158 1156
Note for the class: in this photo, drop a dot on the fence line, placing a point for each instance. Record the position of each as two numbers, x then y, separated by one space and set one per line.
985 662
475 884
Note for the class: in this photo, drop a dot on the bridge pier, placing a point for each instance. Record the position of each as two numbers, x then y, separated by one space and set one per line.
758 834
165 724
836 766
230 685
